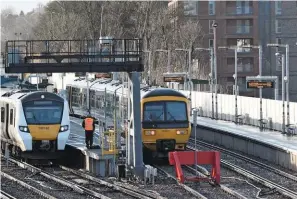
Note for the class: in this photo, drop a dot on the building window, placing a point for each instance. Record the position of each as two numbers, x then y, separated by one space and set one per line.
244 64
211 8
241 81
278 40
190 8
243 7
210 26
243 26
278 28
210 43
244 42
278 7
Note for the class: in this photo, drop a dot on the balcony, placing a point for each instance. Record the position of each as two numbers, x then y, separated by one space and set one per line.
239 11
239 30
241 68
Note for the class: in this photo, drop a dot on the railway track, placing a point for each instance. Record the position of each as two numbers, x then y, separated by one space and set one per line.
200 190
4 195
274 179
102 186
72 183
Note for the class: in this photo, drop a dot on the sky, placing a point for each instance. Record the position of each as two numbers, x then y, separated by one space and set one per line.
18 5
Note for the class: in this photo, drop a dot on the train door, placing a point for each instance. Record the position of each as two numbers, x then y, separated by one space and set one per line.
7 121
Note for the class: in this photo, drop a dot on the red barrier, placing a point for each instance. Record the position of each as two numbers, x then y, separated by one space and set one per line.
179 158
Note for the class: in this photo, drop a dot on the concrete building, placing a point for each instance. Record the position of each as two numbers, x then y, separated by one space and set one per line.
245 23
280 22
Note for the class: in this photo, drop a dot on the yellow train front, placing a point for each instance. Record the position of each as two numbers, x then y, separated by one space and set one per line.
165 122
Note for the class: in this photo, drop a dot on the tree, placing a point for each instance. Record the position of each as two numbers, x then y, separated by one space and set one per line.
149 20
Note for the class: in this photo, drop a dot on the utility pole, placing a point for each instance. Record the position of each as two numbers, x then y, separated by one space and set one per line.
214 26
211 76
169 70
149 65
235 78
285 79
189 71
236 83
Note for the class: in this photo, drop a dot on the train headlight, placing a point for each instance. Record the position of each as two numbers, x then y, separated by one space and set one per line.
64 128
24 129
181 132
150 133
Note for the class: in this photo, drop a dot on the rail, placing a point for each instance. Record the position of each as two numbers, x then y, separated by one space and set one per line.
27 186
5 195
283 190
187 188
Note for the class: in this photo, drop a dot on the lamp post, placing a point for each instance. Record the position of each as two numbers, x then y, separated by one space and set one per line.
214 26
149 64
235 78
285 78
211 76
189 71
168 60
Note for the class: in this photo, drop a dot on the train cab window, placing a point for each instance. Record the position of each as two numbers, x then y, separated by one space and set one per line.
43 112
2 114
154 111
11 117
176 111
170 111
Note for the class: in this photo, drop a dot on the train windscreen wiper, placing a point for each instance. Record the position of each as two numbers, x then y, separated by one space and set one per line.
35 119
171 116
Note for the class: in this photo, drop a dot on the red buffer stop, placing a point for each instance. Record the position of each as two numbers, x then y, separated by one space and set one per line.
179 158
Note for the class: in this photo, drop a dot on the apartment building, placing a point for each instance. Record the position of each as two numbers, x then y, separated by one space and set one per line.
244 23
279 22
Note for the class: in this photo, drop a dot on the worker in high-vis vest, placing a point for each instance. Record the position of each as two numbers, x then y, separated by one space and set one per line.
89 125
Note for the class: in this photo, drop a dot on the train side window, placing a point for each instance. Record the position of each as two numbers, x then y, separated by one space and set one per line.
11 117
2 114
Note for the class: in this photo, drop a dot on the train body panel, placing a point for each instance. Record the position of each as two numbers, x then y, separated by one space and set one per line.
35 121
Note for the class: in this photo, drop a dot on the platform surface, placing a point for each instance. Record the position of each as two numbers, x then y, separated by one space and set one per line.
77 140
273 138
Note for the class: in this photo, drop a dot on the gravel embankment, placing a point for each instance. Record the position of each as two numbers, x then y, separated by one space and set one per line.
245 186
203 188
16 190
86 183
40 182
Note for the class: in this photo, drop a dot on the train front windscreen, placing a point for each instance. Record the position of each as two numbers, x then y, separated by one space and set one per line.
165 114
43 112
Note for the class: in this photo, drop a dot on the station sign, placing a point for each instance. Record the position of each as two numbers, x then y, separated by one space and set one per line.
102 75
260 84
174 79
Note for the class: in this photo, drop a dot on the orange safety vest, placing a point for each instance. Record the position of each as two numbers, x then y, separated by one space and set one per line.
89 124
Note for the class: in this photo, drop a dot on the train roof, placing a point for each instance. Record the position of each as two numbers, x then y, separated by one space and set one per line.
163 92
27 96
113 85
